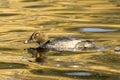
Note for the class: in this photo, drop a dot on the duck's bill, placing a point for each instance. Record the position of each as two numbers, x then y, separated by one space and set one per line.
28 41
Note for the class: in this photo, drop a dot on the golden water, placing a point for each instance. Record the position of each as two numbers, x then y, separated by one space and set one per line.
19 18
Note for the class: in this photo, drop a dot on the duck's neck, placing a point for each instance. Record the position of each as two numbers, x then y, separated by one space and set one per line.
44 43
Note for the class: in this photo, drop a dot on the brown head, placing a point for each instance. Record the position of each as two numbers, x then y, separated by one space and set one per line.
39 37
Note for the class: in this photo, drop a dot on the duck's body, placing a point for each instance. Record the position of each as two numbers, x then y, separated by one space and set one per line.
63 43
68 44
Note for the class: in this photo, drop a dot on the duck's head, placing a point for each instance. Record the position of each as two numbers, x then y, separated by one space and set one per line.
39 37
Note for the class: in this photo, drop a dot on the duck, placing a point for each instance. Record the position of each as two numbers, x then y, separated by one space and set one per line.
62 43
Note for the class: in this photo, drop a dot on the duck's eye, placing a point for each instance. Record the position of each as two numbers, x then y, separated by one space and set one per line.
37 35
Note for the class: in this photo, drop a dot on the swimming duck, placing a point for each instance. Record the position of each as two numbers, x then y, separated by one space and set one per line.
60 43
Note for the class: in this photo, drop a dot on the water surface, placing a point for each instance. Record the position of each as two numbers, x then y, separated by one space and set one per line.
96 30
96 20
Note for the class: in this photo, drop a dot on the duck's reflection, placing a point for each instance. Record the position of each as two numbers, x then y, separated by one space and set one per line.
38 53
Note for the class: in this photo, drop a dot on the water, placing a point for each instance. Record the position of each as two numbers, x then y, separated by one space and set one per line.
117 49
97 20
79 74
96 30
